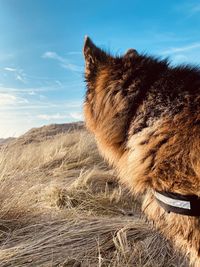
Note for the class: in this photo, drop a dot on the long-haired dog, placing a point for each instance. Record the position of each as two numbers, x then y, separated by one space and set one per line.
145 115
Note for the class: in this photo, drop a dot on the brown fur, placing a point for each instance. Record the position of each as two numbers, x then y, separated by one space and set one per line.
145 116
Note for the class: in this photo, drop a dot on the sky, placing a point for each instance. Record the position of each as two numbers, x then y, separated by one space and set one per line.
41 61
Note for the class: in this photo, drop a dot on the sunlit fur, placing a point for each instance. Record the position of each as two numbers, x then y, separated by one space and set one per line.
145 116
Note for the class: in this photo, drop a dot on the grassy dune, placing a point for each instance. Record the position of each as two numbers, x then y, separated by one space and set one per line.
61 205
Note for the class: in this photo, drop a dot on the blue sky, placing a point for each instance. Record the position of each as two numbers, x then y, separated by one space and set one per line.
41 62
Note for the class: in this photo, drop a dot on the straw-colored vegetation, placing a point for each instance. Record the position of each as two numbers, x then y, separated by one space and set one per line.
61 205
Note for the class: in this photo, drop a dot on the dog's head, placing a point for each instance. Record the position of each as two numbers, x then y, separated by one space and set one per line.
106 79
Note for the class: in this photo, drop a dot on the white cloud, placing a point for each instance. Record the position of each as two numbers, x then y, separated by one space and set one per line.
5 57
32 93
64 63
53 55
49 117
42 97
178 58
15 123
174 50
30 106
41 105
76 115
10 99
18 74
72 67
74 104
16 103
189 8
17 119
74 53
19 78
6 99
59 83
10 69
59 116
195 8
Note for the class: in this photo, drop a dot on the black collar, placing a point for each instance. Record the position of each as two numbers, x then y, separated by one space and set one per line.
177 203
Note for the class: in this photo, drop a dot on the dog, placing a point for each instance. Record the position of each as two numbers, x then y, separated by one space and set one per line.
145 116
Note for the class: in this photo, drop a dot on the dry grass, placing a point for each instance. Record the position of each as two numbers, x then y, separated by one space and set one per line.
60 205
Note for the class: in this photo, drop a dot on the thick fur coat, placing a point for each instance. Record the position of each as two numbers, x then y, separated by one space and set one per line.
145 115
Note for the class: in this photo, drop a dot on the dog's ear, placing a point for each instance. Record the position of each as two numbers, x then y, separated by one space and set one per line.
94 56
131 53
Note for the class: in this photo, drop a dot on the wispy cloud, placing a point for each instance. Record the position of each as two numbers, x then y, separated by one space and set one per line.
74 53
73 104
174 50
30 91
49 117
189 8
17 101
53 55
63 62
27 107
180 58
15 123
20 78
10 99
10 69
76 115
18 73
195 8
59 83
60 116
6 56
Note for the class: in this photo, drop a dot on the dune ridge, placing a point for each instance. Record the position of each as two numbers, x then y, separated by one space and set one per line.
61 205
